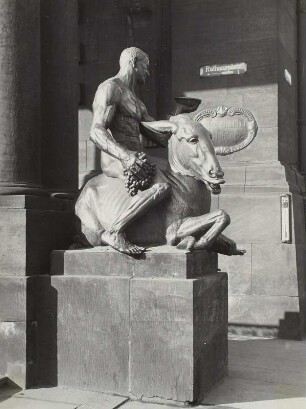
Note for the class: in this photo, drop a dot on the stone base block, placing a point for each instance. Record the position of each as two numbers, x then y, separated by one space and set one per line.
30 228
18 329
138 333
178 337
93 333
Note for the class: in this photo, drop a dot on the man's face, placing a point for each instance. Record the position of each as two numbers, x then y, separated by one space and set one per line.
141 70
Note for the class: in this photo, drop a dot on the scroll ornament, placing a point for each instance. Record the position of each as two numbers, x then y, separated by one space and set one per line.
232 129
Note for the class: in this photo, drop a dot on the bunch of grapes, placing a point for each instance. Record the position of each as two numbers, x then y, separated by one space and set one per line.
133 182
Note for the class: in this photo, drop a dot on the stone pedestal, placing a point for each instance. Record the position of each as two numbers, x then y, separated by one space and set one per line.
152 328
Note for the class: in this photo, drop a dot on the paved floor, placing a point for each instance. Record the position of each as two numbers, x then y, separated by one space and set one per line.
263 374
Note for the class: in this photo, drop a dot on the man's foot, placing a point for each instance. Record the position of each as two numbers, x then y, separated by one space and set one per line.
119 242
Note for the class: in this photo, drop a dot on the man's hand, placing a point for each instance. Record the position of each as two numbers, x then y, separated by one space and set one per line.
137 164
139 172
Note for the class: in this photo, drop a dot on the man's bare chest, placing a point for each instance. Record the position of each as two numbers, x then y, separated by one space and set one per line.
130 105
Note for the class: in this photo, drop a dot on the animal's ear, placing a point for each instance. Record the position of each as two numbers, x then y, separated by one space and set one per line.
158 131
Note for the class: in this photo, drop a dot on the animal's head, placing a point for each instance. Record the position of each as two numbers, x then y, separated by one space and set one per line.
191 151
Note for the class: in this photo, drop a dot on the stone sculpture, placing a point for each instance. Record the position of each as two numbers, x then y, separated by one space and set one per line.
176 208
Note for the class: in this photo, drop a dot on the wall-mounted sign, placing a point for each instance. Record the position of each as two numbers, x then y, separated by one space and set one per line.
223 69
232 129
285 218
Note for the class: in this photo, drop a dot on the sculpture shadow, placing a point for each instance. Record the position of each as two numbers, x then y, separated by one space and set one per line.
47 359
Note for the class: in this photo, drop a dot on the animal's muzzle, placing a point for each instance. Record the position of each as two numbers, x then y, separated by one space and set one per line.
215 188
216 175
214 185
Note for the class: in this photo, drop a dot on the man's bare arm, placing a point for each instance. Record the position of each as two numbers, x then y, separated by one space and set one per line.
104 107
155 137
146 117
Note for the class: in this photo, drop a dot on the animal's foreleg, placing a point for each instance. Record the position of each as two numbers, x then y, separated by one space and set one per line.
212 224
220 221
225 245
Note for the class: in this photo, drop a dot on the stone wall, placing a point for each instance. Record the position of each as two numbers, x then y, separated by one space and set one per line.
266 285
105 29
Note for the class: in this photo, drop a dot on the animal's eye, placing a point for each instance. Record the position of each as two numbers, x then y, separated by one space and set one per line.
194 139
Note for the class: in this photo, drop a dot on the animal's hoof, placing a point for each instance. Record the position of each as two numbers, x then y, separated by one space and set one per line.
135 250
186 244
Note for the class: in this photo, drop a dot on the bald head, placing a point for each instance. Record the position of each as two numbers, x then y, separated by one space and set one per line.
131 55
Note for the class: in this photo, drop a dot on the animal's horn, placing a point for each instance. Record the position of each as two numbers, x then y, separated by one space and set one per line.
219 150
158 131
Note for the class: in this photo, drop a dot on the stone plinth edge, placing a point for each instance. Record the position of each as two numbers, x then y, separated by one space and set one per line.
161 261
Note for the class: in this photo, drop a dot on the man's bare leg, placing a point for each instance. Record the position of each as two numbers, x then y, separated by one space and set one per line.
115 237
118 241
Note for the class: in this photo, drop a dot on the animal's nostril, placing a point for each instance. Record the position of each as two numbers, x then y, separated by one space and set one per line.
218 174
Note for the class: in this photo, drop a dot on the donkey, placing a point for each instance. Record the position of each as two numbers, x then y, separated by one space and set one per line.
174 211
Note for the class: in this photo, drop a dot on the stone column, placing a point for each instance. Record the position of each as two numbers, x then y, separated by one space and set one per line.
32 225
59 105
19 96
